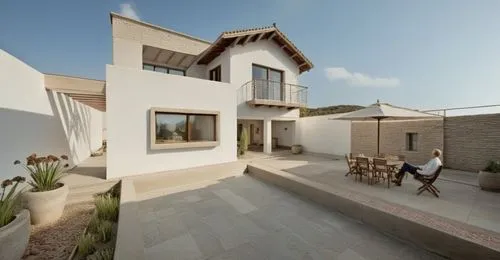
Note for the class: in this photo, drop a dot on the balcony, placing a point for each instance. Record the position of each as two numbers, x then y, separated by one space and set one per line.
267 93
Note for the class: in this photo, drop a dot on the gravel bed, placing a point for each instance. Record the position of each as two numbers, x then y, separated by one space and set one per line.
57 240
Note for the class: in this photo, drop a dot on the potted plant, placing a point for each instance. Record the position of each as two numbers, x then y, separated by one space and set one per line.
296 149
243 145
14 228
47 197
489 178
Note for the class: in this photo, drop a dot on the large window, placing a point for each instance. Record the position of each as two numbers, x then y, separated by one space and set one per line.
163 69
172 128
411 141
267 82
216 74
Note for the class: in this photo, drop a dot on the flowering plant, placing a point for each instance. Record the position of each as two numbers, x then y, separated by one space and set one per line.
9 201
45 172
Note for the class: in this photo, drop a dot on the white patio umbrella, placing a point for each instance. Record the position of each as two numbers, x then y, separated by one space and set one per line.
379 111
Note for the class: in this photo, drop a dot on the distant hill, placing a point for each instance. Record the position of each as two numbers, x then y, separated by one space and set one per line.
328 110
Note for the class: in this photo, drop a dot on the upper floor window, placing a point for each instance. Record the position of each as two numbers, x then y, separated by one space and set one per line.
411 141
216 74
163 69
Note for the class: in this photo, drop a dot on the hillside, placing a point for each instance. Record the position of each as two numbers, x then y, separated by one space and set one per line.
304 112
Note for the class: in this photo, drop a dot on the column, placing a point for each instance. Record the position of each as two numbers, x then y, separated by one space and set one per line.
267 140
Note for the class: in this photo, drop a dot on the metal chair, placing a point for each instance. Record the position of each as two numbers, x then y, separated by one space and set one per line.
363 168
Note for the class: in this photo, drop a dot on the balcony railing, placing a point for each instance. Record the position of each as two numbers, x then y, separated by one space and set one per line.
274 94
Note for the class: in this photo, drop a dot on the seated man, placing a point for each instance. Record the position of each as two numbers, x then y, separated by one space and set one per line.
428 169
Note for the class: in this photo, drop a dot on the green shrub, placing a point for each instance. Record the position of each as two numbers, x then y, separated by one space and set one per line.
86 245
493 166
102 254
104 231
107 207
45 172
94 224
243 142
9 201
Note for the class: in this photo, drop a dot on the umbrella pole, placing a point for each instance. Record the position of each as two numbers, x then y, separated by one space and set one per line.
378 136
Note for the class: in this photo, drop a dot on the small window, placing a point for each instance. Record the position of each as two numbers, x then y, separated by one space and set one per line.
215 74
163 69
411 141
183 128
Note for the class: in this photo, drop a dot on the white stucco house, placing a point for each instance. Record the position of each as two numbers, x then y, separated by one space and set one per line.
174 101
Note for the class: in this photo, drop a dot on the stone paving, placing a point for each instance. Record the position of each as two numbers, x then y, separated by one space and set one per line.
460 199
239 217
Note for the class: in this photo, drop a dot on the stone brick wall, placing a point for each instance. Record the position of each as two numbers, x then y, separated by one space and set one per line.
471 141
393 138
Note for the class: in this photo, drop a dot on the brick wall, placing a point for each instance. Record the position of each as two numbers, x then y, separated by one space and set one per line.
393 138
471 141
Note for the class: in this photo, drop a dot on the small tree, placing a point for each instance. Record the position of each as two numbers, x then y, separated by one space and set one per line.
243 141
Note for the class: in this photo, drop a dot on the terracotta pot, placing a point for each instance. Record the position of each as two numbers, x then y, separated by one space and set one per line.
296 148
489 181
14 237
46 206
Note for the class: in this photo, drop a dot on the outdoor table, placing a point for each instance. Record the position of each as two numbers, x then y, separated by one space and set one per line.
392 164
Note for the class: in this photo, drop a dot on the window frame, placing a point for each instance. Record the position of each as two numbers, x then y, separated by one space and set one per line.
187 144
217 70
163 67
410 138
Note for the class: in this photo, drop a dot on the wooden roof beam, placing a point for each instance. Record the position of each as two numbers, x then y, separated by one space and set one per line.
181 60
157 55
246 40
271 36
260 37
236 41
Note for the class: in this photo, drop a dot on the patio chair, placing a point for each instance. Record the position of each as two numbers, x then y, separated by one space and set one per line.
351 164
362 168
428 183
382 170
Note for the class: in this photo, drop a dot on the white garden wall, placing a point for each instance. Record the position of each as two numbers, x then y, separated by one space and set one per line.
130 95
34 120
319 134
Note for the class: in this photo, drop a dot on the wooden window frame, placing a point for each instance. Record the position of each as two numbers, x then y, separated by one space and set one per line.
187 144
163 67
216 69
409 138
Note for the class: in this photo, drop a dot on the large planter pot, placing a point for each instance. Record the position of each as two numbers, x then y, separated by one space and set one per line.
296 149
14 237
489 181
46 206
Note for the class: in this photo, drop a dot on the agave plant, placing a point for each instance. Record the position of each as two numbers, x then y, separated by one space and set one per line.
45 172
9 201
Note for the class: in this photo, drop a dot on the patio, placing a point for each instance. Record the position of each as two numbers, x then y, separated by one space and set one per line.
460 198
216 212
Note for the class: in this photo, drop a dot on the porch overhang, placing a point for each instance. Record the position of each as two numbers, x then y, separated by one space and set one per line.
90 92
168 58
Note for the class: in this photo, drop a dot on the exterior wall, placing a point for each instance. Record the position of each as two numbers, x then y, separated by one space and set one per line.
393 138
320 134
131 93
263 53
129 36
197 71
471 141
284 131
224 60
38 121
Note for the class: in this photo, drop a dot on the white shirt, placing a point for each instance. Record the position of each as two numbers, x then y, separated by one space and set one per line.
430 167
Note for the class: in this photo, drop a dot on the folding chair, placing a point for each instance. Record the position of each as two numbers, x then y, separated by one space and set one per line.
382 170
427 183
351 164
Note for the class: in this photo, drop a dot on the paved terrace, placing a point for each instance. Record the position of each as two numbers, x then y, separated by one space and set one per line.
216 212
460 198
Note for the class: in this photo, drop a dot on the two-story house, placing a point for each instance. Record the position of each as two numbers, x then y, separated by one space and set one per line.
175 101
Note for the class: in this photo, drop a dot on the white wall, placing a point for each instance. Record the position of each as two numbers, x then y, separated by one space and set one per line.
224 60
33 120
319 134
130 95
284 131
263 53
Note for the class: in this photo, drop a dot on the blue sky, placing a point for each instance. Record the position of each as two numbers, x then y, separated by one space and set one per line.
420 54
